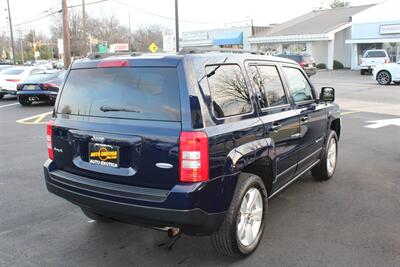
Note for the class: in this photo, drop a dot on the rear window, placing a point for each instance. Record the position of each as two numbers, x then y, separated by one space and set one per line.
146 93
296 58
375 54
12 71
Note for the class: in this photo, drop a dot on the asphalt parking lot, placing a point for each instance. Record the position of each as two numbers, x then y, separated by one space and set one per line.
350 220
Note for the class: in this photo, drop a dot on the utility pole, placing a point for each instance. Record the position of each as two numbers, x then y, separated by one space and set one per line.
66 36
176 27
22 47
84 28
11 30
129 32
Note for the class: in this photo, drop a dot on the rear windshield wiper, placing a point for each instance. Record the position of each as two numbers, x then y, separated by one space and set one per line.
107 109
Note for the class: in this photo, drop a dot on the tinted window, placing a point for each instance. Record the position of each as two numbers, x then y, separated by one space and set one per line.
270 86
131 93
296 58
13 71
298 85
375 54
229 92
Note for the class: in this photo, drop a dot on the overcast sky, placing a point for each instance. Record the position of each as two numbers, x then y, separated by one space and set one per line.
194 14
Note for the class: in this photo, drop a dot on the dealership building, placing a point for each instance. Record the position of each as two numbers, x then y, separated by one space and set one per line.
341 34
234 37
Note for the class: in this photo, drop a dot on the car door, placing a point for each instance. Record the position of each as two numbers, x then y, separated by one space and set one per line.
313 116
280 119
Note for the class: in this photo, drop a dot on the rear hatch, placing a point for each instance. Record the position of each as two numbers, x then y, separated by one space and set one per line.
120 124
374 57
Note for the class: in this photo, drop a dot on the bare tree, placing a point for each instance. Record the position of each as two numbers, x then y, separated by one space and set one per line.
339 3
145 35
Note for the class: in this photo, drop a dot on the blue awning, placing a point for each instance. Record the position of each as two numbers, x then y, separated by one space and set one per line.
229 38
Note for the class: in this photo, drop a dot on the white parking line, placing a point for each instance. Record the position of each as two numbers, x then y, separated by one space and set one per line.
9 105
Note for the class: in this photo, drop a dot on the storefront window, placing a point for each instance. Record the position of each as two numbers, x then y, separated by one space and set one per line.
393 50
294 48
271 49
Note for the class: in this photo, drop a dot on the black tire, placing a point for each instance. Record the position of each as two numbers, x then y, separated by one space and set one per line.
96 217
225 241
320 172
397 83
362 72
24 101
1 96
383 77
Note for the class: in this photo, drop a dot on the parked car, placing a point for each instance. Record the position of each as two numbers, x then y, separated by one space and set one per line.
43 63
188 141
58 65
384 74
4 67
10 77
43 86
371 58
307 62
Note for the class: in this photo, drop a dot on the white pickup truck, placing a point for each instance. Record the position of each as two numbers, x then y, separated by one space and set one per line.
372 58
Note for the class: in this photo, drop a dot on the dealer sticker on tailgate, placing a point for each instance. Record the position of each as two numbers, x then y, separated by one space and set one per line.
105 155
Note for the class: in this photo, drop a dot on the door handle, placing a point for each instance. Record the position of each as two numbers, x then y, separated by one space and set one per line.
305 118
275 126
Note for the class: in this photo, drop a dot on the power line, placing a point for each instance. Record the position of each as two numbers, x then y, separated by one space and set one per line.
52 13
158 15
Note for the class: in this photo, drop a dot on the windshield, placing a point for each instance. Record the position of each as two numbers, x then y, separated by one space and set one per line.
131 93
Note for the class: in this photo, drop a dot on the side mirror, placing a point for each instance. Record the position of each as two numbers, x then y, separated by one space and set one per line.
327 94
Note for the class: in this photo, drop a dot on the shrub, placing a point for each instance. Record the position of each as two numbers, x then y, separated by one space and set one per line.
337 65
321 66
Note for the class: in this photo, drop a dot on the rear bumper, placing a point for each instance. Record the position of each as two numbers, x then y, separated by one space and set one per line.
134 205
41 95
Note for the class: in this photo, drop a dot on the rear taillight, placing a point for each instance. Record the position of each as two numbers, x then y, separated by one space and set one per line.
47 86
49 135
13 80
302 63
193 157
113 63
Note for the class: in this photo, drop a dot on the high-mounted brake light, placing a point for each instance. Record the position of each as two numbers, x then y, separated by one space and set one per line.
193 157
49 135
113 63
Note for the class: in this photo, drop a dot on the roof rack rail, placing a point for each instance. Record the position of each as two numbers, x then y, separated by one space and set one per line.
97 55
201 50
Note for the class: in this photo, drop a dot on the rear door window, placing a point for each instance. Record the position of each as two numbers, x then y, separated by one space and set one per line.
146 93
229 93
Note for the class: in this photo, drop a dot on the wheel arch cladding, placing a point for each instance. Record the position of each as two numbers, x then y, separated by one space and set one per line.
335 126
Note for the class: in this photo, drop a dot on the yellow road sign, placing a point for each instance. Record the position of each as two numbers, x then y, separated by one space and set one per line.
153 48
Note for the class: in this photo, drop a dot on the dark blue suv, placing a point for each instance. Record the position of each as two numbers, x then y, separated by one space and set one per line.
197 141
